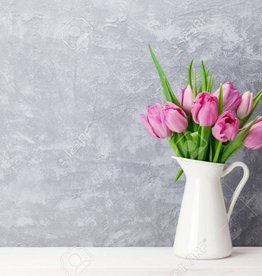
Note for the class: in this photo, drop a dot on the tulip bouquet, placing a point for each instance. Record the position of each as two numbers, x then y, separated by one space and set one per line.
202 125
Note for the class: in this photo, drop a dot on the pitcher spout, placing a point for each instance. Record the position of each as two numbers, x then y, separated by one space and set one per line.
199 168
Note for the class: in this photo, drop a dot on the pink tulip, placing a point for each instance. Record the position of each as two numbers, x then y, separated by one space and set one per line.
204 109
246 105
155 121
253 139
226 127
231 96
185 96
175 118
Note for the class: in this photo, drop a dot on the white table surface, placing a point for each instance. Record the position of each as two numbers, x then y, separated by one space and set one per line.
135 261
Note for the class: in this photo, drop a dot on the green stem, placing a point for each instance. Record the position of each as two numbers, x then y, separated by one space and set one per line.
218 149
187 153
190 123
211 149
204 141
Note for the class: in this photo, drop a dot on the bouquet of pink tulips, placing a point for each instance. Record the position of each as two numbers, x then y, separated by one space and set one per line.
203 125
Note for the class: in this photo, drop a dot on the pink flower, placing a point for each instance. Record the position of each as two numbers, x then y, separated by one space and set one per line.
185 96
175 118
231 96
226 127
253 139
155 121
246 105
204 109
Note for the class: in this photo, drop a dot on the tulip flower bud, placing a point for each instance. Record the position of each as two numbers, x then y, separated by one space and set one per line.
175 118
253 139
204 109
231 97
246 105
226 127
155 121
185 96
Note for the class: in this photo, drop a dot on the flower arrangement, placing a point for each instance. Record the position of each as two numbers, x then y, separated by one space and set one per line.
202 125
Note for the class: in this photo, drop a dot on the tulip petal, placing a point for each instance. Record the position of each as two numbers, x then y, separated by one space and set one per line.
205 109
253 139
226 127
231 97
144 119
176 121
246 105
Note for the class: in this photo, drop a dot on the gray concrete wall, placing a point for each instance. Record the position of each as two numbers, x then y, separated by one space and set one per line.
77 166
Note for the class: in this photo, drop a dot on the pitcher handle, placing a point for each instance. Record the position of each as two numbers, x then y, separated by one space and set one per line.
239 187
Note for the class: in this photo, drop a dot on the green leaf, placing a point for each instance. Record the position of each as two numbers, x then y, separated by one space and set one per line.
208 84
195 83
207 73
178 175
167 91
173 145
257 99
258 95
203 77
174 99
220 100
181 144
189 143
237 143
192 144
210 81
196 141
189 73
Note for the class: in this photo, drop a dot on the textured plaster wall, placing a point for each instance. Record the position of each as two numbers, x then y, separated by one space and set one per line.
77 166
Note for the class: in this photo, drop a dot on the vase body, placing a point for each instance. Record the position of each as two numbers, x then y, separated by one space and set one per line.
202 229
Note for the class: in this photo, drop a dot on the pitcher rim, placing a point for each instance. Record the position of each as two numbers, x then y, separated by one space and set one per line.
197 161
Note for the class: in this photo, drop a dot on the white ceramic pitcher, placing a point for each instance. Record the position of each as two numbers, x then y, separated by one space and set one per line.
202 229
